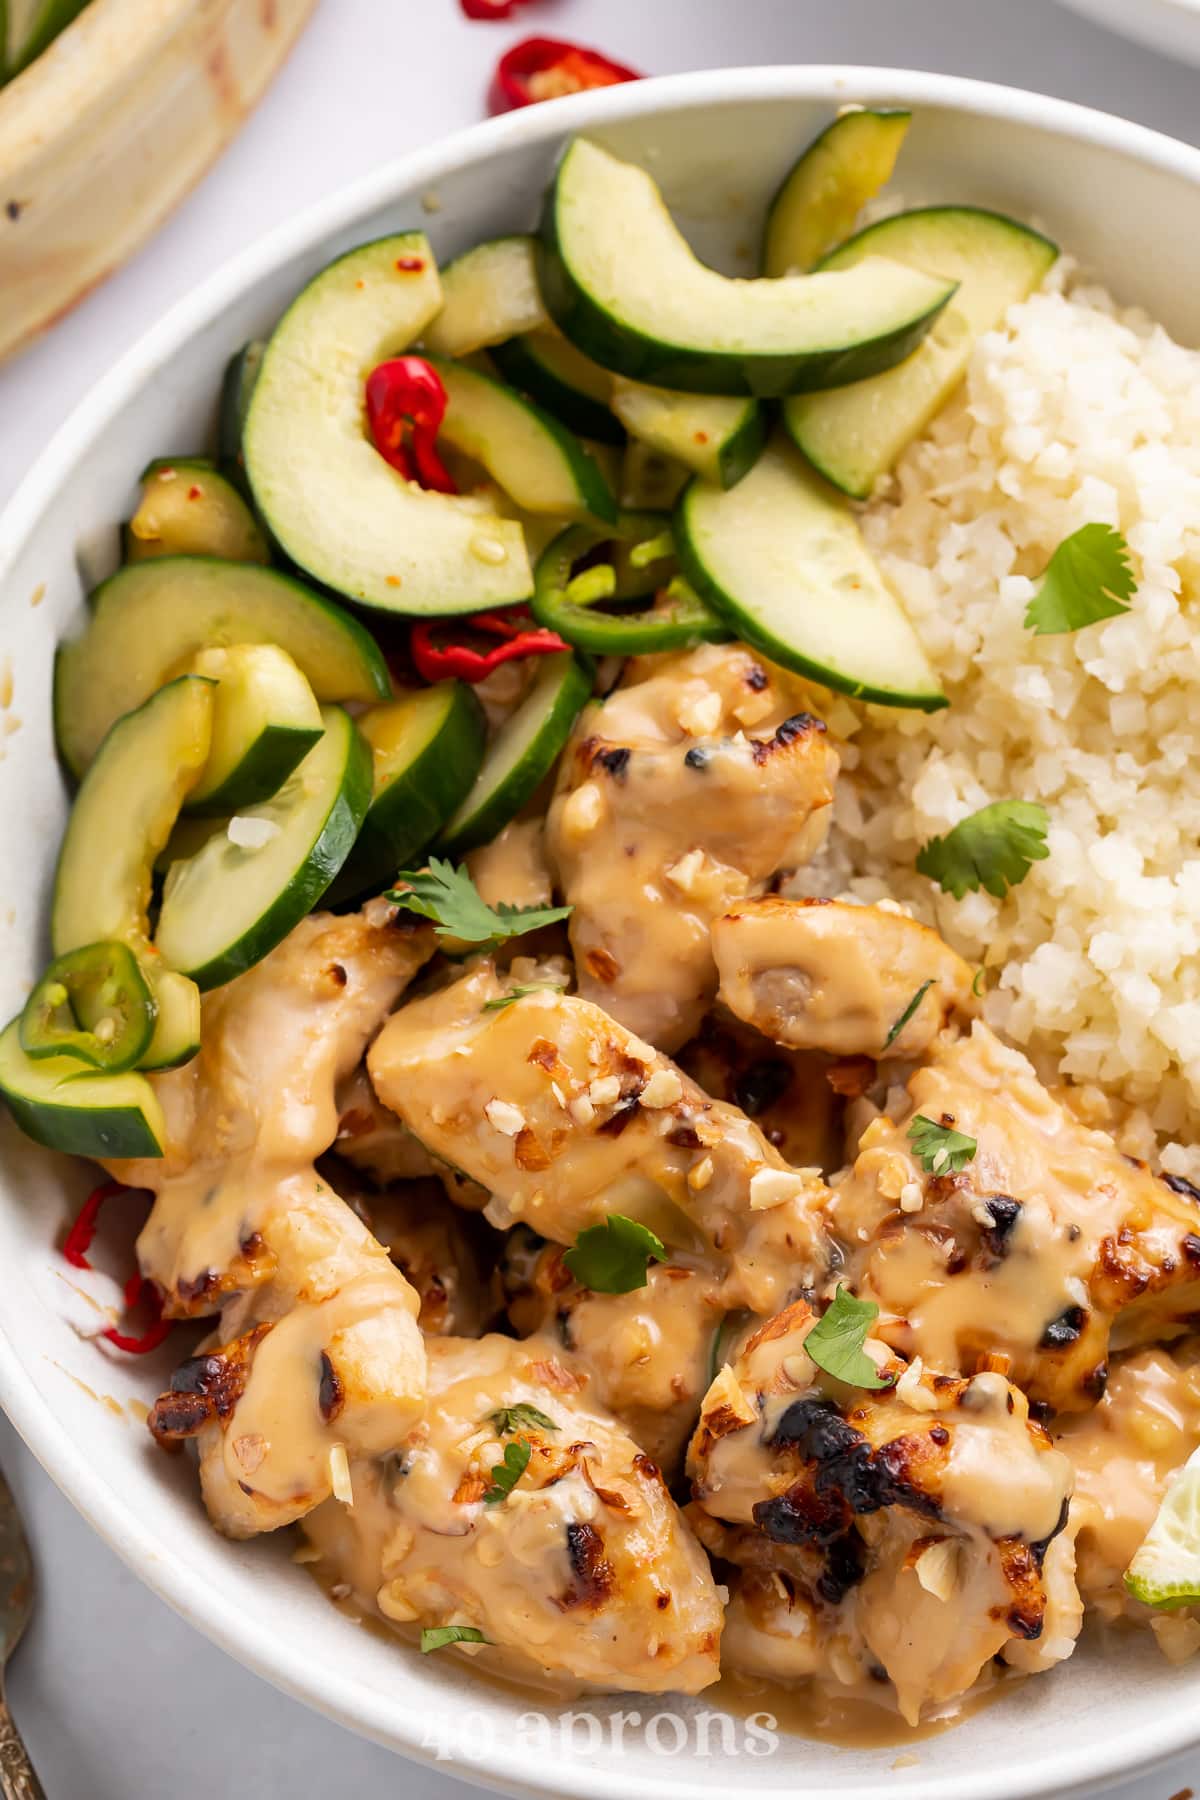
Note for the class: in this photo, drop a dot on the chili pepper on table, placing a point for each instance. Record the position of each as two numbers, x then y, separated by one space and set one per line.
137 1289
491 9
546 68
93 1004
519 637
406 404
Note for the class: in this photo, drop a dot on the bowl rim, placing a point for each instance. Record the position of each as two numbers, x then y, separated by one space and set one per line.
151 1557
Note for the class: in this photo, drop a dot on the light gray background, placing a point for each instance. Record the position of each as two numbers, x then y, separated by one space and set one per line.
120 1700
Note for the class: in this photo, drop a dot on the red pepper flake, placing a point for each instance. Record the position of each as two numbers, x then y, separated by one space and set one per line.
193 493
138 1291
406 404
410 265
547 68
462 662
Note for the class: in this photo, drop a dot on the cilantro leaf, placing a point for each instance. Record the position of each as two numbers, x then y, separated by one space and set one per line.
505 1475
940 1149
613 1258
450 898
993 848
1088 578
513 1418
835 1342
519 993
907 1014
436 1637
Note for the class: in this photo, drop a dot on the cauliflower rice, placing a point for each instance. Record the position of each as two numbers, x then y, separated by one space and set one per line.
1078 412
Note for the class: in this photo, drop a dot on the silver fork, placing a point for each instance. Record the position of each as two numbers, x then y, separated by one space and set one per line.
17 1778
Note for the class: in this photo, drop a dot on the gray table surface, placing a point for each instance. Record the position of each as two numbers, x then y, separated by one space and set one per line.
119 1699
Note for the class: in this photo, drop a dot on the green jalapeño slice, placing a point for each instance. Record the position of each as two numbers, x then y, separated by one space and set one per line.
93 1004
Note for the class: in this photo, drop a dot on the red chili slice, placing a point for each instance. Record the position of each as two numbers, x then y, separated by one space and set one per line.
137 1289
442 662
491 9
546 68
406 404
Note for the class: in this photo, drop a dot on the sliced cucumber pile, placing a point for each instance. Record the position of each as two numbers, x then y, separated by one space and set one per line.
563 380
522 755
265 720
534 458
620 281
427 749
781 557
715 436
149 621
821 198
189 509
489 294
59 1102
856 434
336 508
227 906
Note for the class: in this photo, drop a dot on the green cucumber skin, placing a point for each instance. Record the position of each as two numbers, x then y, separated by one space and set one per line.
889 119
316 874
642 358
747 628
237 387
116 1131
377 684
407 816
503 804
261 772
740 452
593 489
578 412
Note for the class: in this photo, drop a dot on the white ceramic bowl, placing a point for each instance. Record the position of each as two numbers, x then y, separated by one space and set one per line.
1172 26
1123 199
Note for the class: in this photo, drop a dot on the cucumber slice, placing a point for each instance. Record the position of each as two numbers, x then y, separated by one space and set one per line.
328 497
265 720
563 380
80 1112
123 814
489 294
650 481
149 621
522 754
189 509
620 281
427 749
537 461
822 196
30 27
177 1027
717 437
227 906
781 556
237 386
856 434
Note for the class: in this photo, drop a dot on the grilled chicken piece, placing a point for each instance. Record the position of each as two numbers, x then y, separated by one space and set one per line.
1124 1453
680 793
512 870
795 1097
585 1570
565 1117
448 1256
648 1353
824 975
921 1515
1045 1246
373 1141
318 1352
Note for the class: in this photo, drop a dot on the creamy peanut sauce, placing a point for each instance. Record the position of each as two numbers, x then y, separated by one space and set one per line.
586 1569
565 1116
683 791
1044 1247
821 975
889 1553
